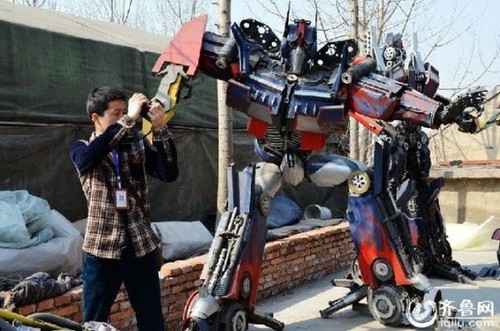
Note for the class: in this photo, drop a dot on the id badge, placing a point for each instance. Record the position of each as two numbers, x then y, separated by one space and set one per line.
121 199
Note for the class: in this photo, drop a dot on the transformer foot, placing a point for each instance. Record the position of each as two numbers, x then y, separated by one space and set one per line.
455 273
347 283
266 319
350 298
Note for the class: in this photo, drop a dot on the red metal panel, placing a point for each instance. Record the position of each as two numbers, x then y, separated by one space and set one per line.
256 128
185 47
312 141
369 123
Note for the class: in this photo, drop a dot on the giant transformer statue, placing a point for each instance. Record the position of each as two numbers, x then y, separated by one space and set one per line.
295 97
422 209
415 197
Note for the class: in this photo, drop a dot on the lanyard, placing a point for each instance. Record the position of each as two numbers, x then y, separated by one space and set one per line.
118 167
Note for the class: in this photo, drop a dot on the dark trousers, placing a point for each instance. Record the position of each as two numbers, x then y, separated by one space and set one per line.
102 279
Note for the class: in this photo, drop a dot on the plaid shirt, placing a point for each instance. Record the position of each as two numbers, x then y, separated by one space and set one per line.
105 234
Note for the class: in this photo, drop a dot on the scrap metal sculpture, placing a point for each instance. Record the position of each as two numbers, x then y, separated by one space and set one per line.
296 96
426 224
415 197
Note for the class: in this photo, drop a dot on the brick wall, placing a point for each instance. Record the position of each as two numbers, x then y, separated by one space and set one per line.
287 263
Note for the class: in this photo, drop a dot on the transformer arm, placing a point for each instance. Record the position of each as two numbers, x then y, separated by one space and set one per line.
191 50
381 98
168 93
176 65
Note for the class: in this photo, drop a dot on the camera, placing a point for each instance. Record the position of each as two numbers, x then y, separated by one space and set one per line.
146 106
145 110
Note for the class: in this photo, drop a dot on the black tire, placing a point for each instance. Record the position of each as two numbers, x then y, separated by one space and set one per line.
386 306
234 317
356 272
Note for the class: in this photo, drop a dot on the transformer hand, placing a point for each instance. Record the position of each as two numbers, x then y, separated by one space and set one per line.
466 123
473 98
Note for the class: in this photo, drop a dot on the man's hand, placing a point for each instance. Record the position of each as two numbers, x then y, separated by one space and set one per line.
156 115
135 105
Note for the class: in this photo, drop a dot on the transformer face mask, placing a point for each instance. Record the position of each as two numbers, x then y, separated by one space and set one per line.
298 46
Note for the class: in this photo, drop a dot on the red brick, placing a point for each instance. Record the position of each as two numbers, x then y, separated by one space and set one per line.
173 271
76 295
124 305
26 310
62 300
115 307
65 311
122 295
45 305
273 246
77 317
121 315
177 288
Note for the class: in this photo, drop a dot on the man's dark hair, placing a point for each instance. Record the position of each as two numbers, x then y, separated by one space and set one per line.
98 99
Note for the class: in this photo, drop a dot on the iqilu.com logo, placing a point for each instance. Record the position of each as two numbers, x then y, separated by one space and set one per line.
422 314
453 315
479 315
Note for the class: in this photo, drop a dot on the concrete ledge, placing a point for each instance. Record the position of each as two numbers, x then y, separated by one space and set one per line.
470 192
288 262
464 172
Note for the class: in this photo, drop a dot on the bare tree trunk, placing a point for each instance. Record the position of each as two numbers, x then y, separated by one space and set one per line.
353 124
225 116
359 137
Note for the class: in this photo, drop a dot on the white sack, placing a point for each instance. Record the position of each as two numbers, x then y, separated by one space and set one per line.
63 253
473 236
24 220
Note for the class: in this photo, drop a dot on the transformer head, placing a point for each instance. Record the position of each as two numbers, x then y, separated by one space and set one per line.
394 51
298 46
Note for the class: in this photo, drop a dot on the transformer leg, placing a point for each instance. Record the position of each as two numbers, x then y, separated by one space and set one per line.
386 265
231 274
